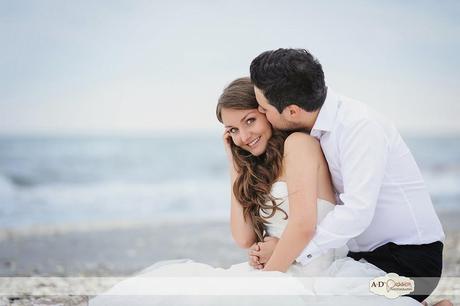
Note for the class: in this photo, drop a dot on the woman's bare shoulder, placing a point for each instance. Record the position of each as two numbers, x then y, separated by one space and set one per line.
300 140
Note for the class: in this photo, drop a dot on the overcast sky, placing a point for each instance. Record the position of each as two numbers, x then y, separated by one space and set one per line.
130 66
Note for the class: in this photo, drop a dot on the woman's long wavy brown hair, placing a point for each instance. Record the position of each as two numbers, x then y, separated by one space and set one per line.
256 174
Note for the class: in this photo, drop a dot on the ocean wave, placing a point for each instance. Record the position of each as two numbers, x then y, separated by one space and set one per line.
22 180
61 203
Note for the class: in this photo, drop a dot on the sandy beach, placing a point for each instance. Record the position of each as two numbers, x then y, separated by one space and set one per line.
120 250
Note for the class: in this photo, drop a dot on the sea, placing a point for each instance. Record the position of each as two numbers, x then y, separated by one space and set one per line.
74 180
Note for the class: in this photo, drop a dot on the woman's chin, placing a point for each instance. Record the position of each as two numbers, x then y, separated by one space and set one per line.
257 151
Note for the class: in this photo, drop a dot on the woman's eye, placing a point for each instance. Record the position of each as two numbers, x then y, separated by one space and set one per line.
233 130
250 120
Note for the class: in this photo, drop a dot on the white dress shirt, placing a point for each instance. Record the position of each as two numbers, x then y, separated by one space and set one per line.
381 194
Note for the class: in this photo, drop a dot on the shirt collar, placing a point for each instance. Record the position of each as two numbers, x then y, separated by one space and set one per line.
327 115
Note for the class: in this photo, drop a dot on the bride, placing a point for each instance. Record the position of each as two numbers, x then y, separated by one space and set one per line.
280 188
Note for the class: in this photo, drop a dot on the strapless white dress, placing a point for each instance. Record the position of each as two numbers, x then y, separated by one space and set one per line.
331 279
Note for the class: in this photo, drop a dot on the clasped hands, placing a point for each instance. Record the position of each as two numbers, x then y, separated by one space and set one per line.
260 252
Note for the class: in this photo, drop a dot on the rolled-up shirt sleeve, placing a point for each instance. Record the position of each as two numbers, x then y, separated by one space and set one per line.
362 154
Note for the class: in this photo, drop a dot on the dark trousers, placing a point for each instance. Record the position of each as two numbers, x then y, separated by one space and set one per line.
422 262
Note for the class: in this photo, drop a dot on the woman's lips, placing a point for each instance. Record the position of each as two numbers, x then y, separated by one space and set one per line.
254 142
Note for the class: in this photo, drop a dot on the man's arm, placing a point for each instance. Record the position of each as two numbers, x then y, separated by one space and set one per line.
363 151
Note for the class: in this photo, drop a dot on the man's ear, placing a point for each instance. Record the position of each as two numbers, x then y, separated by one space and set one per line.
292 112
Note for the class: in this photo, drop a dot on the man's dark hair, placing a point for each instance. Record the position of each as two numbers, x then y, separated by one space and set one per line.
290 76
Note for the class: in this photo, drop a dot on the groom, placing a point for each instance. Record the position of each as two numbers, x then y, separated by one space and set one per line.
385 214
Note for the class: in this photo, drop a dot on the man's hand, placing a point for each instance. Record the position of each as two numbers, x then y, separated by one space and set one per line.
260 253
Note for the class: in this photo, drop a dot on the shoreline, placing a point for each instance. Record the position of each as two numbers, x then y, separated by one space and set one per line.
95 226
448 217
121 248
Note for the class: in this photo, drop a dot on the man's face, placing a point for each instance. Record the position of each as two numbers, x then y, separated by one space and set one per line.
276 119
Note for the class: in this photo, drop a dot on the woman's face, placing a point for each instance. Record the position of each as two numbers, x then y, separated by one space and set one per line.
249 129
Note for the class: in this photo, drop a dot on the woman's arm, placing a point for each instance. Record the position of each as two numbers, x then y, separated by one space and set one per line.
301 164
242 230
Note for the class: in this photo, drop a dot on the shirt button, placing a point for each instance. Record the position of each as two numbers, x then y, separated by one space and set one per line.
309 256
